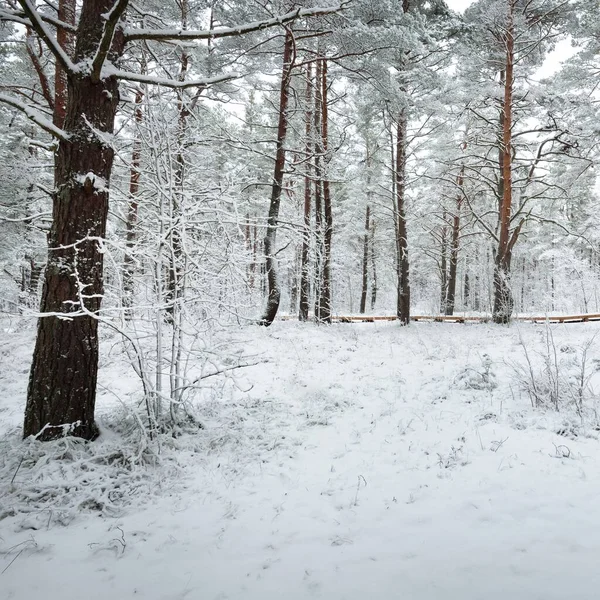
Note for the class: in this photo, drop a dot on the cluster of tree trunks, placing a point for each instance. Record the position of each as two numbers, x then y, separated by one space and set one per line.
449 264
317 196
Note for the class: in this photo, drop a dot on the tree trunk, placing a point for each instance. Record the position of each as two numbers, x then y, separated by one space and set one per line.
276 189
373 268
295 280
304 266
132 211
61 395
403 304
328 212
319 238
365 263
175 258
254 255
503 300
454 246
444 266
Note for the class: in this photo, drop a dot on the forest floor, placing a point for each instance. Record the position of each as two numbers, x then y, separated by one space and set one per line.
359 461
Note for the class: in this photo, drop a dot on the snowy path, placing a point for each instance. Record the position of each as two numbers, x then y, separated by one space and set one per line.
377 476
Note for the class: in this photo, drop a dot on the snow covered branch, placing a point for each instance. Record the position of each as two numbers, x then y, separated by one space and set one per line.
222 32
18 16
34 115
170 83
112 18
40 27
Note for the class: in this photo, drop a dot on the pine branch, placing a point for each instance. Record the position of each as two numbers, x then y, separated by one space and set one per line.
32 114
164 35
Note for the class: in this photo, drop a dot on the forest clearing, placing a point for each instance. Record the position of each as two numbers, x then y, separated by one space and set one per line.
353 460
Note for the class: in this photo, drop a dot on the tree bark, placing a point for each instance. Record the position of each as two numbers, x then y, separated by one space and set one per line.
274 292
66 39
62 384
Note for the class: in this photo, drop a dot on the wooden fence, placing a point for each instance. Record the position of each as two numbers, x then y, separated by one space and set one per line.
460 319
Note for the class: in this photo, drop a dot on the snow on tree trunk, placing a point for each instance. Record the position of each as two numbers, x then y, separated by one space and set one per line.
132 211
304 267
373 267
443 265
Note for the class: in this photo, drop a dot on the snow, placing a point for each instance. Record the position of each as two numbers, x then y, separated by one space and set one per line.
96 182
363 460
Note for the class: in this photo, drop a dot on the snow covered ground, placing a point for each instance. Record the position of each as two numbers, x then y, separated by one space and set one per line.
360 461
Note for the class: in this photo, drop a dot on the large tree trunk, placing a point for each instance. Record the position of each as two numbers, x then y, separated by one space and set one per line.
274 293
403 303
503 300
62 384
304 266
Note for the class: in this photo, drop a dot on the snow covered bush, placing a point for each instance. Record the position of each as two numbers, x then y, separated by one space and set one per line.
480 378
558 377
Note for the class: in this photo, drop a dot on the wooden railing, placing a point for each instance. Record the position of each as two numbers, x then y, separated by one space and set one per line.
460 318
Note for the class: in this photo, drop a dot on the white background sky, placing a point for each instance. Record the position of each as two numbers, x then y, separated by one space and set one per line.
459 5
